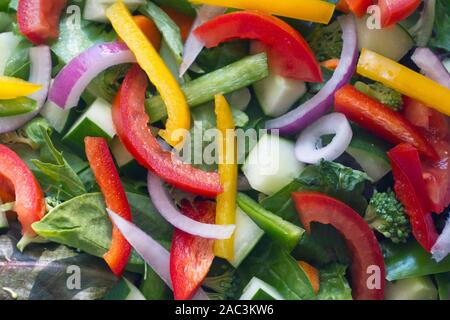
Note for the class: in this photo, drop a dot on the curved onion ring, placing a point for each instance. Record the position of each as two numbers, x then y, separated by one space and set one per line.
169 211
442 246
40 73
299 118
431 66
306 147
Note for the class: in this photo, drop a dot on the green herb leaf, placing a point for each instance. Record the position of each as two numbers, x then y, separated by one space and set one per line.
333 284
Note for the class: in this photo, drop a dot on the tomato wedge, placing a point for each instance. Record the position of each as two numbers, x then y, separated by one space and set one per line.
367 259
30 205
410 189
38 20
380 120
289 54
359 7
393 11
131 122
107 177
190 256
6 190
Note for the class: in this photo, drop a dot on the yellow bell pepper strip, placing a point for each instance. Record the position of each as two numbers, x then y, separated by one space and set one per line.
406 81
309 10
157 71
228 172
11 88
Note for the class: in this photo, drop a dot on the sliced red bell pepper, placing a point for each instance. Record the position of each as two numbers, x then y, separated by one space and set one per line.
30 205
107 177
359 7
393 11
380 120
289 54
131 122
360 239
38 20
410 189
191 256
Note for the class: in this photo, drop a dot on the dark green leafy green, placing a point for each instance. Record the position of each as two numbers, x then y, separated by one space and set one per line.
333 284
18 64
443 283
441 38
221 56
153 288
277 267
183 6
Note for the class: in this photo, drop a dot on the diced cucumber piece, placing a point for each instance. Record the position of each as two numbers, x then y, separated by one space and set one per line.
257 289
421 288
58 118
271 164
95 122
94 10
239 99
392 42
246 236
228 79
124 290
277 94
120 153
8 42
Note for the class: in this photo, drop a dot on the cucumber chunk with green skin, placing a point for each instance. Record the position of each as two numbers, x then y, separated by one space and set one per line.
94 10
282 231
246 236
124 160
8 42
16 106
257 289
124 290
421 288
95 122
228 79
277 94
392 42
58 118
271 164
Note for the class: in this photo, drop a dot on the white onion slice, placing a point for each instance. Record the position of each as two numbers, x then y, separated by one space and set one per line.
431 66
73 79
442 246
193 47
165 206
40 73
157 257
308 148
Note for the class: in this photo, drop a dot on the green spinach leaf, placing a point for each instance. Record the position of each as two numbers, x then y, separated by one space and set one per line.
441 38
333 284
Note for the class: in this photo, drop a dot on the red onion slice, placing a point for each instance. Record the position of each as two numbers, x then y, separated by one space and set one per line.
193 47
431 66
308 147
40 73
299 118
442 246
165 206
157 257
73 79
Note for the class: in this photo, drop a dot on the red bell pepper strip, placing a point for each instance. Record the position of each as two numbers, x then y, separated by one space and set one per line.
393 11
191 256
131 123
360 239
410 189
380 120
38 20
289 54
107 177
359 7
30 205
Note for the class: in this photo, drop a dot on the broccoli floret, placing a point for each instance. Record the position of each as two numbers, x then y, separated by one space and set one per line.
326 41
224 286
387 96
387 215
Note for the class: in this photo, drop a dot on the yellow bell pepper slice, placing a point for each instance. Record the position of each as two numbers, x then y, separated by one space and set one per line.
11 88
228 172
406 81
178 121
309 10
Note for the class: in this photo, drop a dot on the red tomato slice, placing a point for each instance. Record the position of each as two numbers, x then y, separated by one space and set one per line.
38 20
289 54
393 11
359 7
191 256
360 239
6 190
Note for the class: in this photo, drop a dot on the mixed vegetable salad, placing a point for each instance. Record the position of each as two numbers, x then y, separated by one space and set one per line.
108 108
